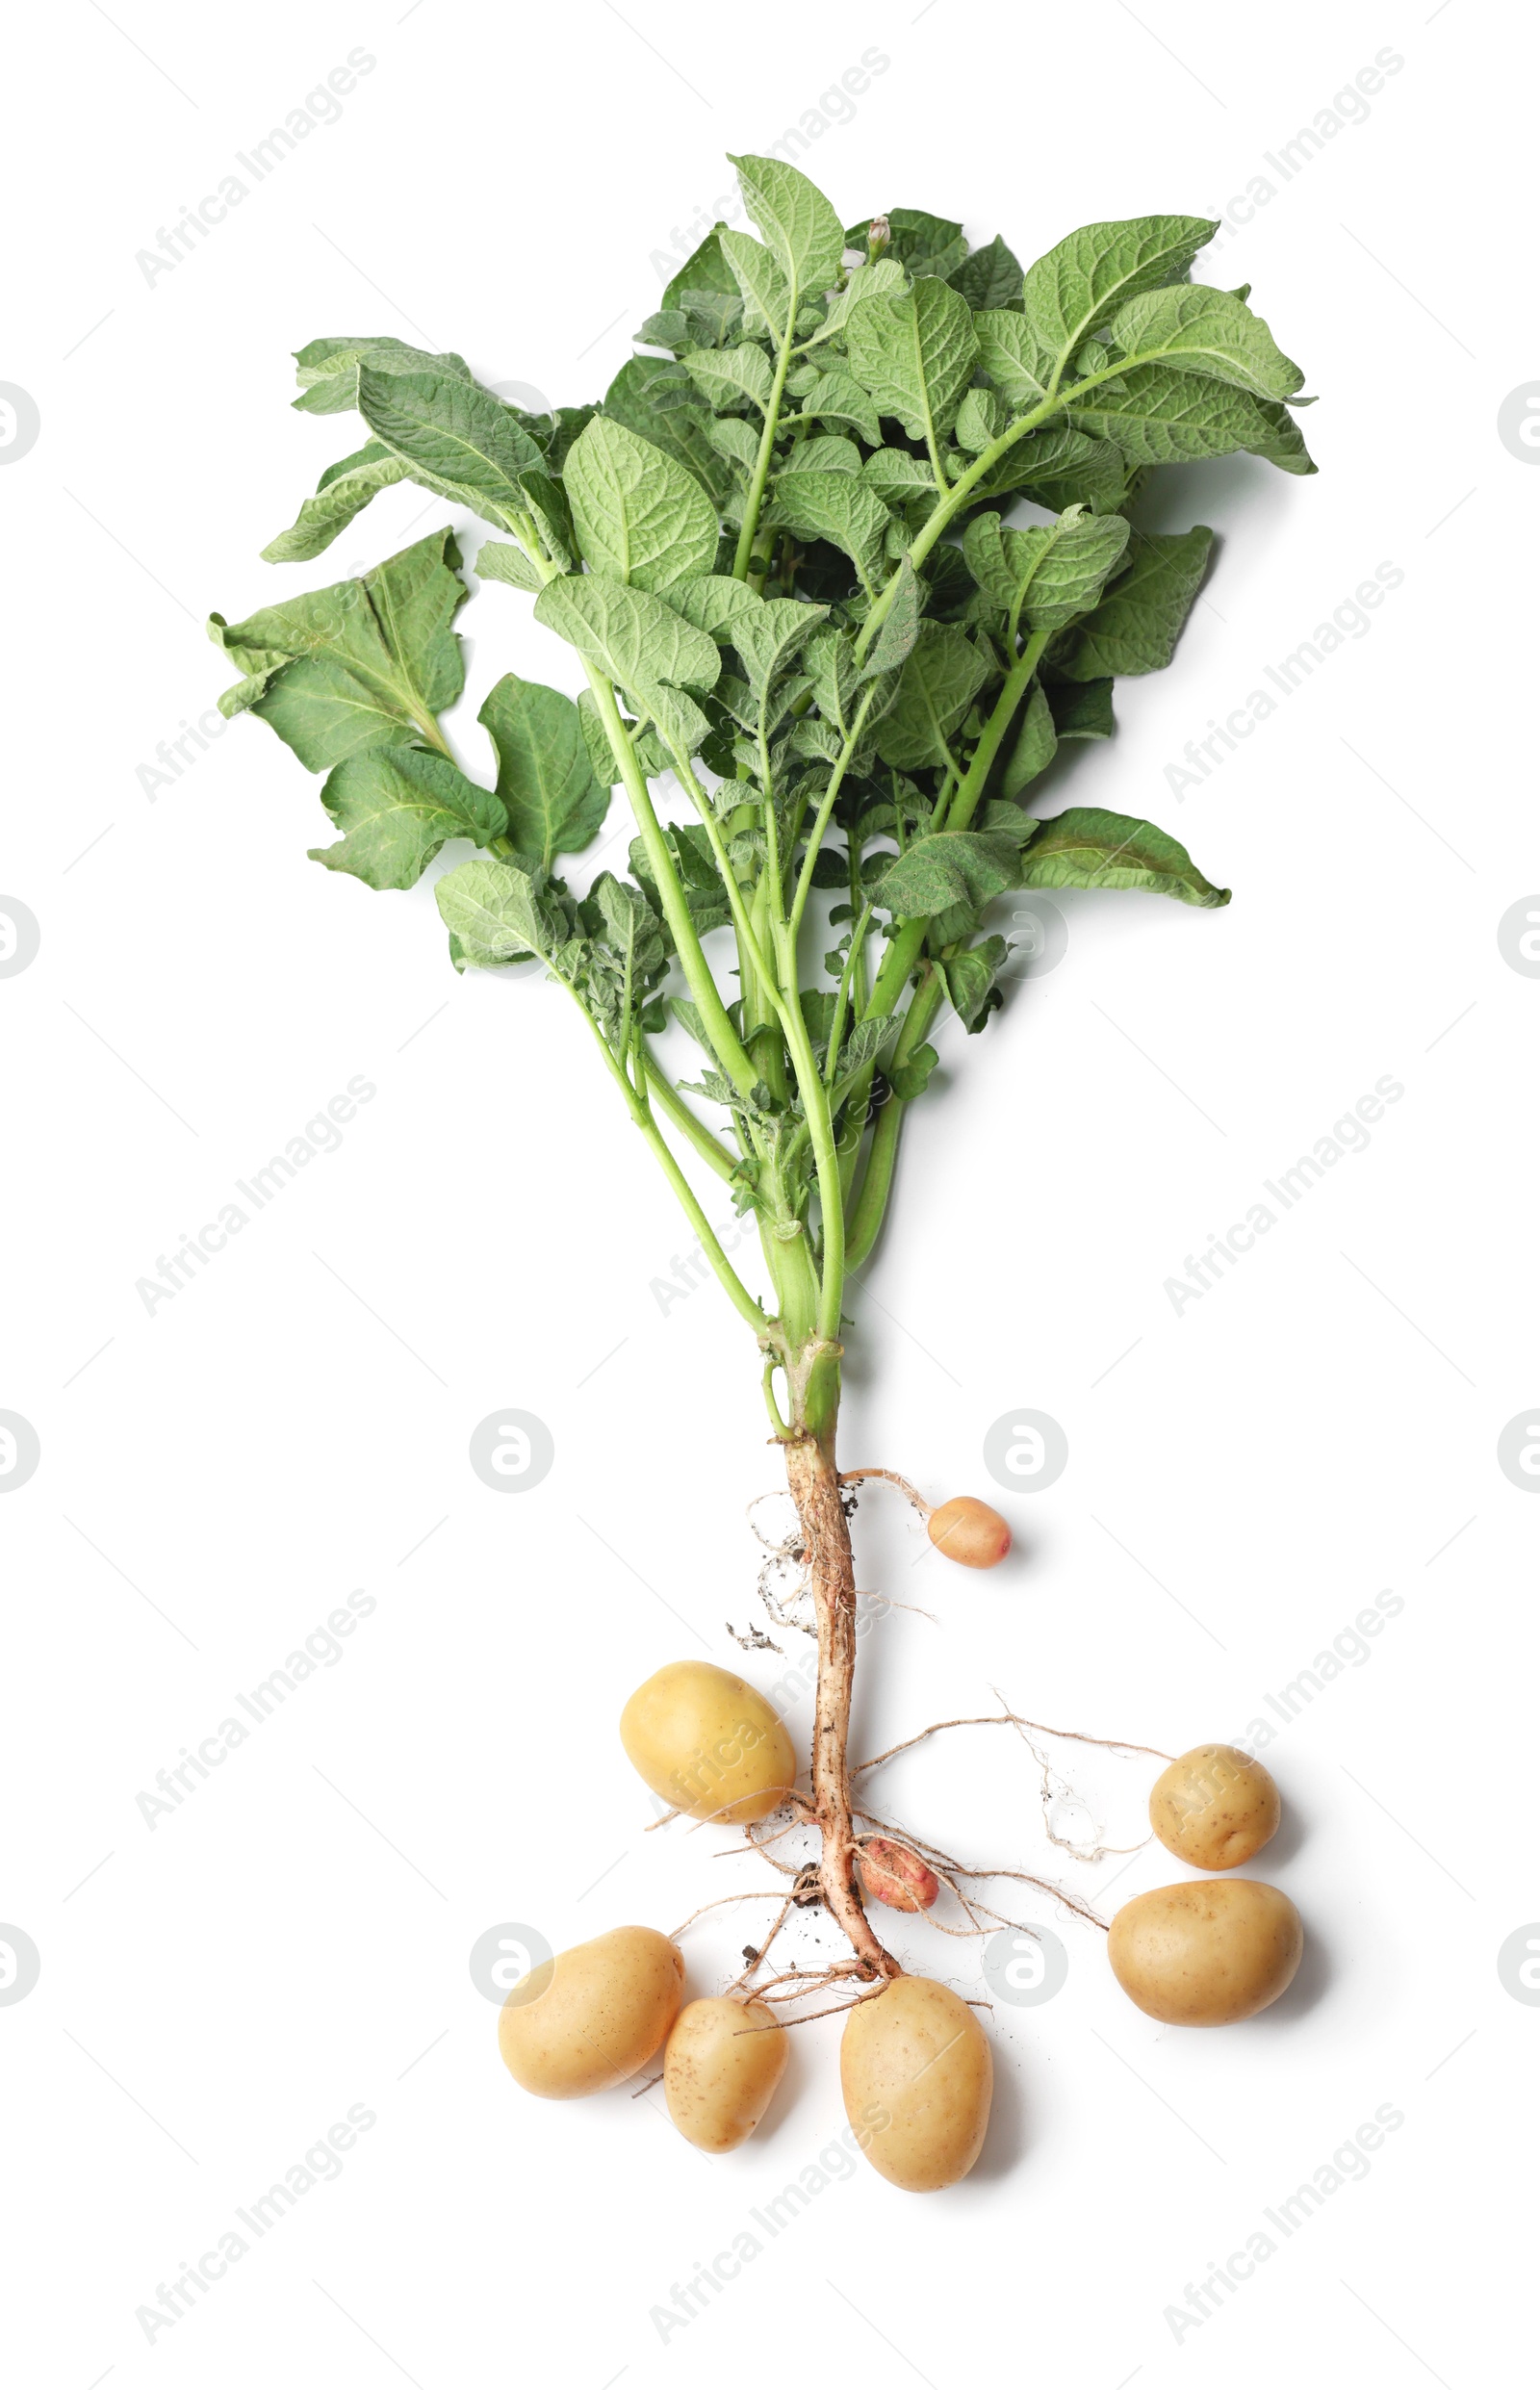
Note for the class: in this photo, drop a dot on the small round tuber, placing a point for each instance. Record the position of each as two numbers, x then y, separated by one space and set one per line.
707 1743
593 2015
720 2070
1215 1807
895 1876
968 1531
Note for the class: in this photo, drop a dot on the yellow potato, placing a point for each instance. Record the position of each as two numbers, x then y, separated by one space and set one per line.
592 2015
916 2072
720 2072
967 1531
707 1743
1214 1808
1206 1954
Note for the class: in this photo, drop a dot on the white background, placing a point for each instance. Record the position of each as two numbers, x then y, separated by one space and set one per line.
1245 1476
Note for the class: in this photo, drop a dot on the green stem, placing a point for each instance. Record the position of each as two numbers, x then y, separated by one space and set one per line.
723 1037
815 835
1018 681
710 1149
736 1292
877 1182
767 445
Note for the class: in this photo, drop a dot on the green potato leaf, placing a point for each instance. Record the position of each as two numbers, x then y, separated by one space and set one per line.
886 274
495 560
343 490
639 516
1047 575
716 603
1082 282
365 663
1081 709
395 807
840 507
990 277
725 377
915 356
1037 742
1136 627
453 437
766 295
941 675
633 637
656 399
1085 848
1159 415
618 917
1014 357
499 914
1210 332
554 803
949 867
836 398
926 244
327 370
970 978
796 222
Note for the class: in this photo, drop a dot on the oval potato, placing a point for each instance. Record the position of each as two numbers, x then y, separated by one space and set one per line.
592 2015
1214 1808
1206 1954
917 2073
707 1743
967 1531
894 1875
720 2070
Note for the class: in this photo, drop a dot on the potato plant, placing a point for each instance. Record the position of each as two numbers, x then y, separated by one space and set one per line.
845 554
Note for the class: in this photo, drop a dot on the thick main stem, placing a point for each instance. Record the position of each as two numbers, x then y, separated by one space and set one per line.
814 1482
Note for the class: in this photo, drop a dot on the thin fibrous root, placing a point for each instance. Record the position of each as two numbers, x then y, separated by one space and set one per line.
889 1476
950 1868
1008 1717
770 1891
